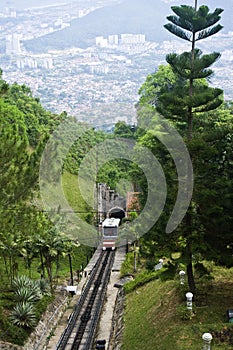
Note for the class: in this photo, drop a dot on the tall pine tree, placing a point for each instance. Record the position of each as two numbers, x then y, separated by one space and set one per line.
192 24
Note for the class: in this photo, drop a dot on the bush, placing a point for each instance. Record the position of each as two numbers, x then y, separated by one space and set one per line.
150 264
127 266
21 281
201 270
184 313
12 333
141 279
26 294
41 305
43 286
168 272
182 290
23 315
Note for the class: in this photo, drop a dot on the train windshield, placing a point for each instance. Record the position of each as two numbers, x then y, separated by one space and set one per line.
110 231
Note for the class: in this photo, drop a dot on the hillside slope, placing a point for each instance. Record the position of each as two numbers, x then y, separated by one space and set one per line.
153 316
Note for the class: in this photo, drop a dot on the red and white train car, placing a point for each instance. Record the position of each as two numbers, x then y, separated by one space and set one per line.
110 229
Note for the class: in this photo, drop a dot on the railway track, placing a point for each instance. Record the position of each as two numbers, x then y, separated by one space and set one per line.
81 328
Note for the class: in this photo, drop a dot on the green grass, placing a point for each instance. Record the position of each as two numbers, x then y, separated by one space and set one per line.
73 194
152 320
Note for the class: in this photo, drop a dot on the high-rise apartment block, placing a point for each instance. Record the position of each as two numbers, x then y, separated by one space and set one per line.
133 38
13 44
125 39
113 39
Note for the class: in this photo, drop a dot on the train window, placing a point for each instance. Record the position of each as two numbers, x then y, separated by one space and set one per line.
110 231
110 227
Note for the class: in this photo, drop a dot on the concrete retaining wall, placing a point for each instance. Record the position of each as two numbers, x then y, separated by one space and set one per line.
117 322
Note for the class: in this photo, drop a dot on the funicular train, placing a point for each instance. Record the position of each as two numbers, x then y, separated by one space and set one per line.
110 229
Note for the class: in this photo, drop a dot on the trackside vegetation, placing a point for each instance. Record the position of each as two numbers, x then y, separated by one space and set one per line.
156 316
38 257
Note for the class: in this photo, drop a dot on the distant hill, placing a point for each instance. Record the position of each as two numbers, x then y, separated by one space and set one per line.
130 16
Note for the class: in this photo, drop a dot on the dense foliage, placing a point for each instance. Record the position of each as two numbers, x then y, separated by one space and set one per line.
181 93
29 243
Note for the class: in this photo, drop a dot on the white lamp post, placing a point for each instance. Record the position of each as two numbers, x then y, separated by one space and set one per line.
161 262
207 337
159 265
189 297
182 274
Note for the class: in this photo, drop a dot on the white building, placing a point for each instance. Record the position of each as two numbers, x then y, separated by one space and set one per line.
13 44
101 41
113 39
133 38
99 69
47 63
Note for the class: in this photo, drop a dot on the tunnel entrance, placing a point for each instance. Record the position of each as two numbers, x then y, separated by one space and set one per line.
117 213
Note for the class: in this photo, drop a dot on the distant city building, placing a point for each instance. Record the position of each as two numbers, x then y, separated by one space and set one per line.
81 13
20 64
124 39
113 39
31 63
10 12
65 25
101 41
13 44
34 63
47 63
133 38
99 69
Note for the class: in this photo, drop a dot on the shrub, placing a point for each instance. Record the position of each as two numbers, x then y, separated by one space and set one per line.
43 286
42 304
12 333
23 315
26 294
201 270
184 313
21 281
150 264
141 279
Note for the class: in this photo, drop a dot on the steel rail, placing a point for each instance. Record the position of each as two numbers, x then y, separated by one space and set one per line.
89 322
85 316
61 345
97 312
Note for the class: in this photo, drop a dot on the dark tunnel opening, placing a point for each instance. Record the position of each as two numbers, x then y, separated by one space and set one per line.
117 213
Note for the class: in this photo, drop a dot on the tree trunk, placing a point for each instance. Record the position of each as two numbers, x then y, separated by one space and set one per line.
42 265
190 276
189 266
